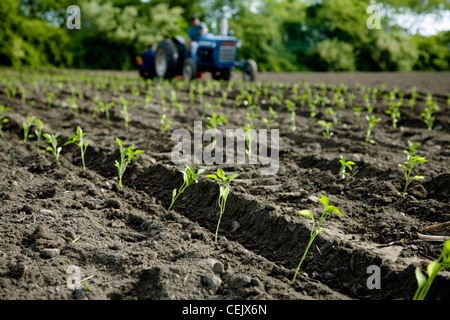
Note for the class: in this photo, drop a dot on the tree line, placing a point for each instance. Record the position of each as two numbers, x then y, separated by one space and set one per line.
281 35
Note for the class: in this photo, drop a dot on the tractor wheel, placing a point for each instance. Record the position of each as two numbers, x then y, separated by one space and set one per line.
222 74
189 69
166 59
250 70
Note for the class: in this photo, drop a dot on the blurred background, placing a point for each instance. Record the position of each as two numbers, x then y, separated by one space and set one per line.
281 35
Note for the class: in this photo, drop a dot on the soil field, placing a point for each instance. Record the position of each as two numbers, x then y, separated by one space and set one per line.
60 223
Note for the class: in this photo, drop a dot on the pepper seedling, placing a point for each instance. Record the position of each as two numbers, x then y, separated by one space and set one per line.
271 118
372 122
165 123
424 284
103 107
327 125
428 114
126 156
38 133
224 191
3 120
26 128
78 140
345 165
316 228
53 148
412 161
124 111
188 178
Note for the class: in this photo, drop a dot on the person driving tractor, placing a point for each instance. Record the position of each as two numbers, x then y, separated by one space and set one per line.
146 63
195 31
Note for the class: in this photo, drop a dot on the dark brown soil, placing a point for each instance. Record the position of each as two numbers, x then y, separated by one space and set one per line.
54 214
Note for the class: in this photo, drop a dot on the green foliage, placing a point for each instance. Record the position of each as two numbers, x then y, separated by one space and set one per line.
316 228
113 34
38 133
53 148
271 118
189 176
411 162
281 35
3 120
165 123
428 114
327 125
372 122
345 165
441 263
126 156
26 127
224 190
80 142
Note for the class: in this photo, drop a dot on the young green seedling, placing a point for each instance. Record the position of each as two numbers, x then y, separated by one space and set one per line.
327 125
53 148
372 122
291 110
73 103
214 122
165 123
80 142
248 140
312 107
148 97
23 92
224 191
124 111
412 161
251 116
412 100
26 128
424 284
102 107
38 133
344 166
271 118
3 120
394 112
50 97
126 156
188 178
428 115
316 228
357 112
333 114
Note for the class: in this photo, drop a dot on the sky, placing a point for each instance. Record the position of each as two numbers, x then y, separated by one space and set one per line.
430 25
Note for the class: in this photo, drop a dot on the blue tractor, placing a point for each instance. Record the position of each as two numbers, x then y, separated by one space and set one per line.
215 54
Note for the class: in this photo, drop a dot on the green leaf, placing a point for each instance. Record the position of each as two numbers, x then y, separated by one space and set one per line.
324 200
334 209
231 177
220 173
320 231
307 213
119 142
433 268
138 152
420 277
419 177
446 249
212 176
